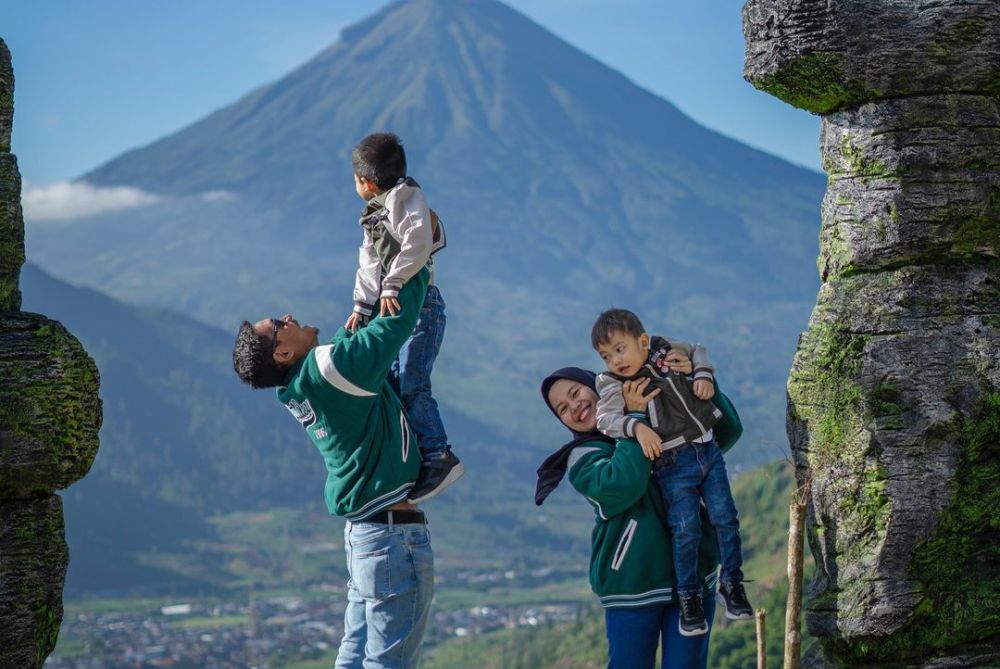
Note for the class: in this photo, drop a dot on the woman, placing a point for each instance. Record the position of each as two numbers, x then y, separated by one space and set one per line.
631 568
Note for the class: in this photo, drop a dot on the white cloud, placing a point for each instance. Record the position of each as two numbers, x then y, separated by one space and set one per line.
68 200
218 196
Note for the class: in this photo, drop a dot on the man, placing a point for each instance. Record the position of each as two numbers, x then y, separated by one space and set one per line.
340 394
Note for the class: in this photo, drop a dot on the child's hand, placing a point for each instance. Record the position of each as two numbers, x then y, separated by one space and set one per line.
390 305
649 440
703 389
354 321
633 391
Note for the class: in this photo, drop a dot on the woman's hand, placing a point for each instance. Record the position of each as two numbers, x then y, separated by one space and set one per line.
679 362
633 391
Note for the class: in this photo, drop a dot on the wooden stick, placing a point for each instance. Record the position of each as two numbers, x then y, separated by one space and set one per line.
760 615
793 607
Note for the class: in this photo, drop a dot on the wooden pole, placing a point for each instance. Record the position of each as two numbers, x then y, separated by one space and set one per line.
760 615
793 607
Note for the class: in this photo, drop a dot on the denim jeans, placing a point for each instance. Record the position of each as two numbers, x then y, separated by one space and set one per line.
388 595
687 475
411 376
634 633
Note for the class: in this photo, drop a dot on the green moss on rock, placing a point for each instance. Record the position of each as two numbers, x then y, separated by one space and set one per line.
860 165
980 234
824 391
958 37
816 83
50 411
992 86
48 620
957 567
11 234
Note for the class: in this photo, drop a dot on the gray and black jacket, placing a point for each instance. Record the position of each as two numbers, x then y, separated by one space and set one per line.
400 234
676 414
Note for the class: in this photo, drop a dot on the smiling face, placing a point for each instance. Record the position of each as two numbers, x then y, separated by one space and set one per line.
624 354
575 404
292 342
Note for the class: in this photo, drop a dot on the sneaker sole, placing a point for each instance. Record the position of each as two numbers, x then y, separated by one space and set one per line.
701 631
731 616
455 474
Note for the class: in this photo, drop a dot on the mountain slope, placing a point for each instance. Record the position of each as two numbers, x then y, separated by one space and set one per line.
184 444
565 189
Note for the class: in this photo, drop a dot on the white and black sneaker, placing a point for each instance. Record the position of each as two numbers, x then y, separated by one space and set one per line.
732 596
435 475
692 618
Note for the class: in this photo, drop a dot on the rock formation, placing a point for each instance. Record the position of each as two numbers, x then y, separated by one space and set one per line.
50 414
894 394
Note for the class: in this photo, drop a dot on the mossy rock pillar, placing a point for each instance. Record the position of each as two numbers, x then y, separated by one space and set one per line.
50 414
894 393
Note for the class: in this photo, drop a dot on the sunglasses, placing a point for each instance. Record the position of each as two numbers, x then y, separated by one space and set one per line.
276 324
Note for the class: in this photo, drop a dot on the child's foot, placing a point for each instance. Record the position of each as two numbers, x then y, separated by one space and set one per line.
732 595
435 475
692 619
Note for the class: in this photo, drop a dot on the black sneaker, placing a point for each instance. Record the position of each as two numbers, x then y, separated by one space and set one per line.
435 475
692 619
732 595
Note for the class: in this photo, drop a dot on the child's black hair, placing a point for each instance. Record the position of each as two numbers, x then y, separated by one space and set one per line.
380 158
612 321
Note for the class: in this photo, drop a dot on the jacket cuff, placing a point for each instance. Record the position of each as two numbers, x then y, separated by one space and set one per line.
363 308
703 373
389 292
630 428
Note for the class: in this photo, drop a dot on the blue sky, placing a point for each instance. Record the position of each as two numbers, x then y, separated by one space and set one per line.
98 78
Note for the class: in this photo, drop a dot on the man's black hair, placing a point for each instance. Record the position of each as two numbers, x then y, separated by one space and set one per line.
379 157
253 359
612 321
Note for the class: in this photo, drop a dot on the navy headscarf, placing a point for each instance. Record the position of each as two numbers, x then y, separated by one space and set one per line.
552 471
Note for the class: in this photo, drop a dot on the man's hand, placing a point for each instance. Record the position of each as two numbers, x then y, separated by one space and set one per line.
679 362
388 305
355 321
633 391
649 440
703 389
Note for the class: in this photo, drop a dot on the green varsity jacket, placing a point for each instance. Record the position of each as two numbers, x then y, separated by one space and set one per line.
340 395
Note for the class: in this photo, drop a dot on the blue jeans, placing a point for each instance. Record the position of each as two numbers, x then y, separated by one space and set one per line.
687 475
388 595
633 635
411 376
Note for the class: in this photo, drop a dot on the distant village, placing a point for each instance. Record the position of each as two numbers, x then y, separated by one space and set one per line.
269 632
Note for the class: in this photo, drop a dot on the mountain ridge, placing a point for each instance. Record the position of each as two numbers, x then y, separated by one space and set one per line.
565 188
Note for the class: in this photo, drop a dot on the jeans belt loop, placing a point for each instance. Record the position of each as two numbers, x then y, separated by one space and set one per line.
390 520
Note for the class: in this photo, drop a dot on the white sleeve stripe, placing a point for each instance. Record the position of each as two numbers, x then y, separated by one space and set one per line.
577 453
324 360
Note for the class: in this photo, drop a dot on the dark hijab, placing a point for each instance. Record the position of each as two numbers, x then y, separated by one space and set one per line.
552 471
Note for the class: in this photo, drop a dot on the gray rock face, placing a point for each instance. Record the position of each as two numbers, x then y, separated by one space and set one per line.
11 233
894 395
50 414
48 404
6 97
823 55
33 560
